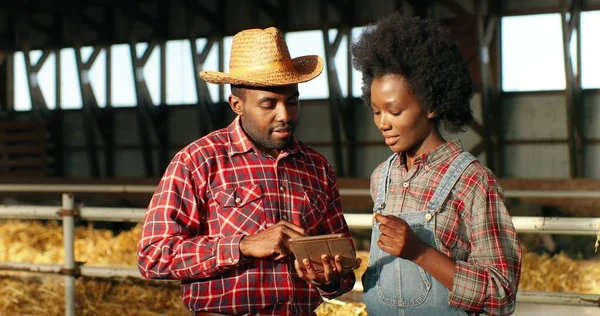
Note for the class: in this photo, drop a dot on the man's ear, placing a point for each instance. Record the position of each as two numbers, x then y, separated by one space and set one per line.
236 104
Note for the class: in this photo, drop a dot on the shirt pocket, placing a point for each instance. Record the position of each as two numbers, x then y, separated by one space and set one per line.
315 206
241 210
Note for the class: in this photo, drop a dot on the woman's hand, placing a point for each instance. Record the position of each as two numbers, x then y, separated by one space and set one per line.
398 238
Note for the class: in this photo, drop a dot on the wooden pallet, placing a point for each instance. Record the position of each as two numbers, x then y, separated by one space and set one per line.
23 148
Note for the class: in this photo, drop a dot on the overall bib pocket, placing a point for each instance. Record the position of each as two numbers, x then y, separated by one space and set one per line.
400 282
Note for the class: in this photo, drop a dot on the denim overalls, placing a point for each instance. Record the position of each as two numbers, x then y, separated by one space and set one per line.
395 286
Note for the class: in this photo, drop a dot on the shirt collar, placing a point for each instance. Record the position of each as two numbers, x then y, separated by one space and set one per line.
239 142
442 152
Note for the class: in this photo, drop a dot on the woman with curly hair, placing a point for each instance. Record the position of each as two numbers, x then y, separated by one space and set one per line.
443 242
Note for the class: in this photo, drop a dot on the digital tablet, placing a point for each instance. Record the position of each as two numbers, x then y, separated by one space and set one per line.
313 247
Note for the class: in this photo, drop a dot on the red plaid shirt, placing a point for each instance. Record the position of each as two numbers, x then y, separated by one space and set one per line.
215 191
475 229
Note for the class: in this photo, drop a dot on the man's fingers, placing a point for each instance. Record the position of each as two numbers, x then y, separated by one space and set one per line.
339 266
296 229
358 263
329 268
310 271
299 270
302 270
308 267
291 233
281 255
329 276
311 274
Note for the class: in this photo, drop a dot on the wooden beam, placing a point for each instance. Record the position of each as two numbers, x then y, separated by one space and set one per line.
335 103
340 108
587 6
535 141
205 118
570 17
421 7
195 8
491 113
3 83
145 109
456 8
478 149
38 102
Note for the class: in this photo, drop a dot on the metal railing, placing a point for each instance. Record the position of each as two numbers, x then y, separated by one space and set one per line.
137 188
69 212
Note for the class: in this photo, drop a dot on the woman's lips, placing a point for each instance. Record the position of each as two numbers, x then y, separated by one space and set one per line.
391 140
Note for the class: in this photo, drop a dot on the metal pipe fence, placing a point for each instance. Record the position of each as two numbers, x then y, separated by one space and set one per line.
69 212
137 188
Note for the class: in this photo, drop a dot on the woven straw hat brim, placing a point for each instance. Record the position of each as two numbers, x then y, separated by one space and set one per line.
305 69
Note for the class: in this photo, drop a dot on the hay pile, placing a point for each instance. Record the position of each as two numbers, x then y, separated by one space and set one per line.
35 294
26 294
37 242
559 274
341 308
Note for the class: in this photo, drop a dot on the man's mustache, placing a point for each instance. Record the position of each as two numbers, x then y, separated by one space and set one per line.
283 128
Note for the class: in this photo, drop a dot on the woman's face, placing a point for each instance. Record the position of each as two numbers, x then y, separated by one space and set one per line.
403 122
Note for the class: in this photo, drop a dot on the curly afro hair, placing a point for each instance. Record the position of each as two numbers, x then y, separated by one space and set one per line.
424 53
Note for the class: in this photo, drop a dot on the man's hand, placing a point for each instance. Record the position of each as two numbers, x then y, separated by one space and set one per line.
398 239
272 242
328 279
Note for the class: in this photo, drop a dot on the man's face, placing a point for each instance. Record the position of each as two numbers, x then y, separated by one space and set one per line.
403 122
268 115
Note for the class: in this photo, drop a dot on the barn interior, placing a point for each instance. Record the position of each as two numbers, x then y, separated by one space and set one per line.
97 96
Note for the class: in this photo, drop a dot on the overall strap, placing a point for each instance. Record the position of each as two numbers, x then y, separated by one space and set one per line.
457 167
384 183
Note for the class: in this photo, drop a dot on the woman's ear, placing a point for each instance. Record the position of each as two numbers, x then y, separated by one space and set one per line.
430 114
236 104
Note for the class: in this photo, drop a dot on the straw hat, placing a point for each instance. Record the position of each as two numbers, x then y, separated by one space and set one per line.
261 58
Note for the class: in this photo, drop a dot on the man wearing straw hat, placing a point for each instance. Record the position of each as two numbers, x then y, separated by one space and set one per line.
223 212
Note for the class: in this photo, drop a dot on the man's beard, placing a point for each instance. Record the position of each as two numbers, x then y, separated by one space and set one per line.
267 142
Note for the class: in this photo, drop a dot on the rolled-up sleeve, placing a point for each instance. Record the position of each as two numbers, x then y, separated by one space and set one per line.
489 280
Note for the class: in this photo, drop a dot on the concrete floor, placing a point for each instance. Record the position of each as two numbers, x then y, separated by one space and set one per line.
529 309
524 309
